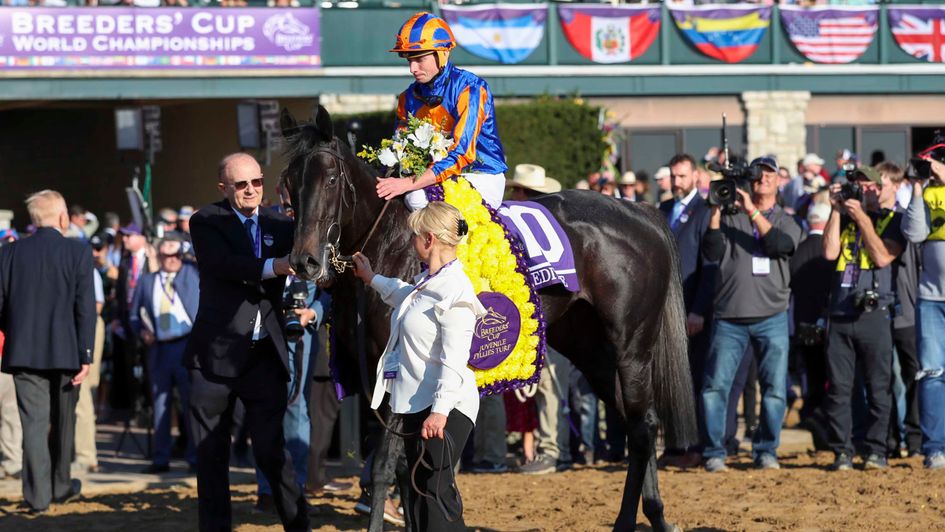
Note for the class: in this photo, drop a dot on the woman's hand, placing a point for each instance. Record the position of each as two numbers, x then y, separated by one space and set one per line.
433 427
362 267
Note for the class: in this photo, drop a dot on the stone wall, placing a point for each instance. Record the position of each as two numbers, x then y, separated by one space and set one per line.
776 123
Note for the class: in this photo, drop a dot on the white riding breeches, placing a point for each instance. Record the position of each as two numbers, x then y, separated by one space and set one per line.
490 186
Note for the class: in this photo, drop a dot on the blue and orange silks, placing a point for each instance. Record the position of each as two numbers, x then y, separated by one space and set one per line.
460 104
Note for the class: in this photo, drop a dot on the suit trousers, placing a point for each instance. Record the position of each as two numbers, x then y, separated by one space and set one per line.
323 408
46 400
85 452
11 432
263 390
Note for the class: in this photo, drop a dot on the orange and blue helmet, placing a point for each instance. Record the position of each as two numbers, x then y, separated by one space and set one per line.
424 33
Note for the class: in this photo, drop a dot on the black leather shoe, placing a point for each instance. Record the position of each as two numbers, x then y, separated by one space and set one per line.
75 490
264 504
155 469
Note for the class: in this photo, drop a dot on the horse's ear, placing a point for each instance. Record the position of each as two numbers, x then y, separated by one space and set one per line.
287 122
323 123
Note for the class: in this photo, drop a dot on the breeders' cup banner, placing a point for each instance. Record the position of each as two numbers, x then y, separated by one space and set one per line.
141 38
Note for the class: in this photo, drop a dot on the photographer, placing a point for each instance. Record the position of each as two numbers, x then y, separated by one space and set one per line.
752 246
863 235
925 223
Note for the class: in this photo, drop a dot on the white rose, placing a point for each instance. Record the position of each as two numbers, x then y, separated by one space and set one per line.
422 135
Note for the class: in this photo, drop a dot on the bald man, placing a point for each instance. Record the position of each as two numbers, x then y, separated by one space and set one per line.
237 349
47 311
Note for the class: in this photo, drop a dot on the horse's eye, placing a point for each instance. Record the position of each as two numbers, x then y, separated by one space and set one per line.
332 179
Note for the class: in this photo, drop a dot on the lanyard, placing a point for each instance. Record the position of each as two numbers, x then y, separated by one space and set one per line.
880 229
426 280
754 228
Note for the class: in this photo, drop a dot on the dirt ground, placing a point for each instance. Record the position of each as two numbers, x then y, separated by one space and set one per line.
801 496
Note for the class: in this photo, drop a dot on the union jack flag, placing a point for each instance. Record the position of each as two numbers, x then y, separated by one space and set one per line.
920 32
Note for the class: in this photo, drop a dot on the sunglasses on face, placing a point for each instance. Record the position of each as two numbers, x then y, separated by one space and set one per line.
241 185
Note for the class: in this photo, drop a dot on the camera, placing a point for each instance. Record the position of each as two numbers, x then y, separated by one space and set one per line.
851 190
866 300
810 334
736 176
295 300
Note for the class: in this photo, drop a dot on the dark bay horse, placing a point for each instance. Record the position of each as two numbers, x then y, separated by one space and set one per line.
625 329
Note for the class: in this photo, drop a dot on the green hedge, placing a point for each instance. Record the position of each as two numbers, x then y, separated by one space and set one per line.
560 135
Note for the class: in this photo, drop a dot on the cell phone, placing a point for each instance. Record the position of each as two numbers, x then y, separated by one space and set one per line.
919 169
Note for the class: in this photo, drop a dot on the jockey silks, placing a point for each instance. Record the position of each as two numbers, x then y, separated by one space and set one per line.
460 104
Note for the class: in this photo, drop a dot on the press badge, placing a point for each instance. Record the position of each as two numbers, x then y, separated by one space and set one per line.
392 363
760 266
850 276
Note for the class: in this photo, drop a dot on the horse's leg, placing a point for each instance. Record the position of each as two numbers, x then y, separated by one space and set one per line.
403 484
385 463
652 503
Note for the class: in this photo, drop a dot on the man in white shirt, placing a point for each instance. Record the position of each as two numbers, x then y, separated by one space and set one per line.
162 316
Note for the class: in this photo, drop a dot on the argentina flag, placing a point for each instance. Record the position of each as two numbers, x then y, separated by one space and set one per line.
507 33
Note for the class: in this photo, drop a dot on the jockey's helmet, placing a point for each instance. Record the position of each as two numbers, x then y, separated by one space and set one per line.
423 34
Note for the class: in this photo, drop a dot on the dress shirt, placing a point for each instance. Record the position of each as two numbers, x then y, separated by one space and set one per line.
267 273
431 333
679 206
180 323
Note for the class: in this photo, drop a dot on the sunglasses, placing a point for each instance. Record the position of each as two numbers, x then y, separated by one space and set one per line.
241 185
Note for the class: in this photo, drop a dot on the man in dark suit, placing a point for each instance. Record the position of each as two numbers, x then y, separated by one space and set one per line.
162 315
688 217
237 349
48 316
135 262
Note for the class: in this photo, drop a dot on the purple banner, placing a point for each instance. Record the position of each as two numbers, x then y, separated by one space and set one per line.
496 333
159 38
550 259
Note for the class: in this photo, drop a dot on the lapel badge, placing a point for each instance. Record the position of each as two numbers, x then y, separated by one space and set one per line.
683 218
267 240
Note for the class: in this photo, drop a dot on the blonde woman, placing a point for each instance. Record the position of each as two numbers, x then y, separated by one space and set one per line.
423 372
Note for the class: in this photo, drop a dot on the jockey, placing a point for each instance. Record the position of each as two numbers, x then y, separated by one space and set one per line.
459 102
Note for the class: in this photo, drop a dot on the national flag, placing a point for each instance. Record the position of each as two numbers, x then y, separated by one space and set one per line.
920 31
610 34
731 33
830 34
507 34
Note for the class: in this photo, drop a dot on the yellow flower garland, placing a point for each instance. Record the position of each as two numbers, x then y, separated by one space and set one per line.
490 264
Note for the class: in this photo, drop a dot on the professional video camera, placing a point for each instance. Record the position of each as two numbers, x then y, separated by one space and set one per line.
918 169
735 174
295 300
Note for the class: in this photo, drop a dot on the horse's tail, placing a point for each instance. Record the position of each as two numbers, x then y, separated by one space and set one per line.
672 382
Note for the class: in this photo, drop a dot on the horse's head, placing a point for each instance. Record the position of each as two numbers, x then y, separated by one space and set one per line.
319 180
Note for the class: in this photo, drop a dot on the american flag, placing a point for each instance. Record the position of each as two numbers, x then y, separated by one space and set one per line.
831 35
922 37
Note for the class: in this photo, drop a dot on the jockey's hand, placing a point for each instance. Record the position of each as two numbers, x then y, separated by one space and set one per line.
433 427
362 267
391 187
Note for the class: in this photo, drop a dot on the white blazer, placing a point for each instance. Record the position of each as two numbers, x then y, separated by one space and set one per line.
431 329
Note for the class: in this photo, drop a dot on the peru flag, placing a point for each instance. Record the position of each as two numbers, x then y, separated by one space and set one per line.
610 34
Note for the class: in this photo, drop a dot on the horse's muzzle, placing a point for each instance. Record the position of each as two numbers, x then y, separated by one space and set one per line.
307 267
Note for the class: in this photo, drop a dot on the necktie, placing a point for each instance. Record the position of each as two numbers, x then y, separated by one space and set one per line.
167 301
132 278
248 224
678 209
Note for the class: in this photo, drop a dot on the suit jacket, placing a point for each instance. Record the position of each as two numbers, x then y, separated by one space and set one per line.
47 302
186 286
122 299
698 275
231 289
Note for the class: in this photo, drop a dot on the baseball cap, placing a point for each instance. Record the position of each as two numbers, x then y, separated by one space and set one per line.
812 158
97 241
185 212
661 173
846 155
869 173
766 160
130 229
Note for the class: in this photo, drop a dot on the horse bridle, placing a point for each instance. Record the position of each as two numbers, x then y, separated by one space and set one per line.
338 261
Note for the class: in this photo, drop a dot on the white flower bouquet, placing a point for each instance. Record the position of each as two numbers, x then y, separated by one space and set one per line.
414 148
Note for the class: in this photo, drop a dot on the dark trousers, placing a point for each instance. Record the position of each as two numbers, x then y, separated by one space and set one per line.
865 341
435 480
815 371
905 341
263 391
323 406
46 400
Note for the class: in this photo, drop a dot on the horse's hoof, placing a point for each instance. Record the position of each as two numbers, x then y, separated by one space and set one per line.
675 528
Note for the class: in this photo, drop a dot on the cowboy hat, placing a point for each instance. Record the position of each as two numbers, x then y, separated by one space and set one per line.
628 178
532 177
